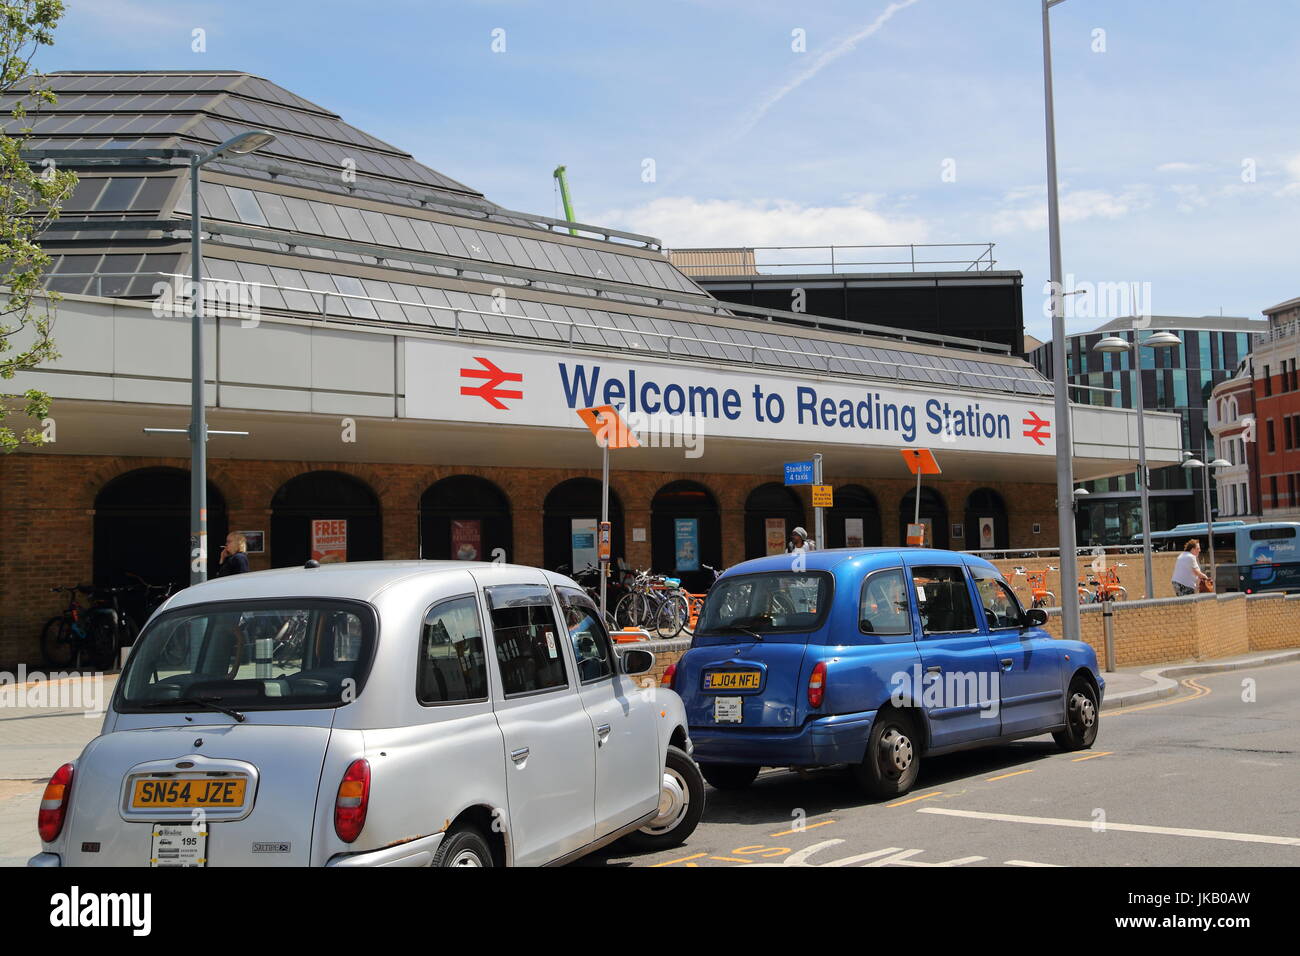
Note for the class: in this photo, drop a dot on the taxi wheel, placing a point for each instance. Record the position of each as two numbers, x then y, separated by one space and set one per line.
1082 717
893 758
464 846
729 776
681 804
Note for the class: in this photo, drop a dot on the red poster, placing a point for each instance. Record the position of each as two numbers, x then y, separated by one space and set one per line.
329 540
467 540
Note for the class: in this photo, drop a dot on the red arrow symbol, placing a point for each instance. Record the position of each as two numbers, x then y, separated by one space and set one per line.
1038 428
488 391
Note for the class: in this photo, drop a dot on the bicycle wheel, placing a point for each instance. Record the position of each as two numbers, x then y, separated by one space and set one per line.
628 611
104 640
56 643
672 616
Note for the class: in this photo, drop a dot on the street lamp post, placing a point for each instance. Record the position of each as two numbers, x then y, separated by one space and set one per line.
245 142
1064 441
1205 466
1113 343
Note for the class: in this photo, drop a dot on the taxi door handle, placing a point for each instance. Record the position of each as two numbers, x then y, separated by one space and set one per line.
520 755
1006 663
936 669
602 732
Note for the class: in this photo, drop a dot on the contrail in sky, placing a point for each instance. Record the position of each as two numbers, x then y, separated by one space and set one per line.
756 114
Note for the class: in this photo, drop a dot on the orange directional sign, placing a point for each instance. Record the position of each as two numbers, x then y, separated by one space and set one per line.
921 461
610 430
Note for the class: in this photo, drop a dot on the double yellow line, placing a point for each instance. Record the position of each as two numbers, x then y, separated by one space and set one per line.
1190 683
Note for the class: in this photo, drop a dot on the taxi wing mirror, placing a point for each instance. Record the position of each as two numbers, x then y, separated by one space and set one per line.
637 662
1035 617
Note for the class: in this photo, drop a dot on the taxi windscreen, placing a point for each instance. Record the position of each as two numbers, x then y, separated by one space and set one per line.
766 603
290 653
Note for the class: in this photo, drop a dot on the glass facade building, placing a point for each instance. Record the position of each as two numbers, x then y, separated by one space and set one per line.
1174 379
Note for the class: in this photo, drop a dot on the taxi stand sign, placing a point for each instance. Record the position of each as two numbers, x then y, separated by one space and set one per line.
919 461
611 431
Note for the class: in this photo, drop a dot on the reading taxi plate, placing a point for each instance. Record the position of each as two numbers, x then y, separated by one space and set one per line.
184 845
728 710
185 793
733 680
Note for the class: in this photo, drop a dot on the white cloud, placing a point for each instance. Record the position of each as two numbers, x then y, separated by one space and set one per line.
136 18
685 222
1292 167
1025 208
1178 167
1190 197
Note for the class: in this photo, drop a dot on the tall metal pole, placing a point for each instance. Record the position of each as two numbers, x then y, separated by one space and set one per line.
1064 442
819 518
604 517
1209 514
1142 467
198 423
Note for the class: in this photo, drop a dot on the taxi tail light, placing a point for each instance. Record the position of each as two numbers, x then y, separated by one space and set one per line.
817 685
669 673
54 804
352 800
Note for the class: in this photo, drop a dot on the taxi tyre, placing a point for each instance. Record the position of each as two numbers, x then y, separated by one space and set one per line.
686 773
895 731
1082 717
729 776
464 846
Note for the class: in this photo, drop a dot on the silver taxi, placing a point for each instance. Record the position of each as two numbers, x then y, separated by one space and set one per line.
386 713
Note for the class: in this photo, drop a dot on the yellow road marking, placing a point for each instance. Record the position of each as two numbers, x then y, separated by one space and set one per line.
809 826
682 859
731 859
1198 690
1104 753
924 796
1005 775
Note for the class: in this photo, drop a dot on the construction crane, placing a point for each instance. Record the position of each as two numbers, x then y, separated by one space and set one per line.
564 196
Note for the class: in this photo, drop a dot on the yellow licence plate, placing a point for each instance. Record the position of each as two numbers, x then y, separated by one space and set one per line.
188 792
733 680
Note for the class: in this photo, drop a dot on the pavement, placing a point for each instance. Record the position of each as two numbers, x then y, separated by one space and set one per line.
36 738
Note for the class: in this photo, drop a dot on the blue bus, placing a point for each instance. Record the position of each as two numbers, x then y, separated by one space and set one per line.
1247 557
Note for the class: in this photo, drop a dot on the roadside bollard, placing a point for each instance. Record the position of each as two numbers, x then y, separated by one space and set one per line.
1108 621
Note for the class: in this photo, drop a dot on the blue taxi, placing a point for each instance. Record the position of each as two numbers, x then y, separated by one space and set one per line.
874 658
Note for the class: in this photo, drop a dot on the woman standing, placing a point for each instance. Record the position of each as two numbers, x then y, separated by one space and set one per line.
234 556
1187 570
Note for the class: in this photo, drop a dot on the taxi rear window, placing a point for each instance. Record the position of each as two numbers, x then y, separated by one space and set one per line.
287 653
773 602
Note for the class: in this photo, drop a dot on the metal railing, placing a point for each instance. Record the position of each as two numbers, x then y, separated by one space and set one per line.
780 357
1279 332
836 259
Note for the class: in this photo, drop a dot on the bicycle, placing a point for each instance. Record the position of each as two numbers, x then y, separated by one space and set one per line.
1036 581
589 580
654 602
79 631
1108 587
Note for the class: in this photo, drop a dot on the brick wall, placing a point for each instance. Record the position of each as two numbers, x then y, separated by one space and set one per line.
1201 627
1132 576
47 504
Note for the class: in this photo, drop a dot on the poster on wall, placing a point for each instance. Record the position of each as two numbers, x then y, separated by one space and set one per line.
853 533
986 533
467 540
583 542
687 538
329 540
256 541
775 532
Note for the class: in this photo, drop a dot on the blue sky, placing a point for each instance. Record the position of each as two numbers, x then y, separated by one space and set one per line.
1161 119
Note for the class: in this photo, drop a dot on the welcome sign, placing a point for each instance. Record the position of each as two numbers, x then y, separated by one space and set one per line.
484 383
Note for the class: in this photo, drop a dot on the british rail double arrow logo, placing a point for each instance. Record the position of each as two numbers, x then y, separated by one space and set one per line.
489 390
1038 429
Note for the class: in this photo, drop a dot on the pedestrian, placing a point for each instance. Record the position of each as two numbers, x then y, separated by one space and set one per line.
1187 570
800 543
234 556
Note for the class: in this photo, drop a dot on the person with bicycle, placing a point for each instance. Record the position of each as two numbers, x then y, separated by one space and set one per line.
1188 576
234 556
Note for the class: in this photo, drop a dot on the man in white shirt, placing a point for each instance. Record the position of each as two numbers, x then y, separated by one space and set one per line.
800 543
1187 571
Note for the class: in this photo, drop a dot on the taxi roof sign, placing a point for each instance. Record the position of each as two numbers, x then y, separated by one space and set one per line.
608 427
921 461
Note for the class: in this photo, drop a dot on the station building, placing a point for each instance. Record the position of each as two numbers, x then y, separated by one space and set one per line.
407 359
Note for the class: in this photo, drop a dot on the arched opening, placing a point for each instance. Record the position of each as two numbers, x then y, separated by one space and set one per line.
934 512
465 518
142 525
686 533
772 511
571 524
854 522
327 515
986 521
